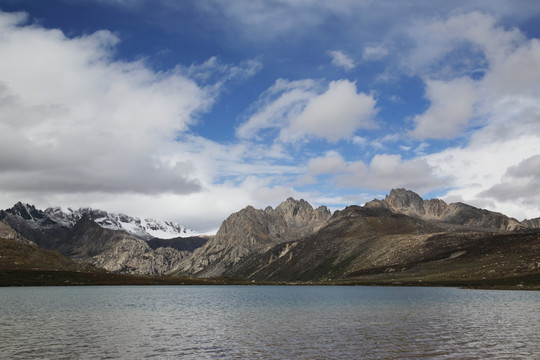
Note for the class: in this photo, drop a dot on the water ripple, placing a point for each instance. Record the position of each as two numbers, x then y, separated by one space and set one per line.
237 322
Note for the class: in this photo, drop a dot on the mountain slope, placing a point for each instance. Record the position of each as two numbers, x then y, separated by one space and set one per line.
35 225
365 245
117 251
347 234
409 203
77 236
18 253
48 227
251 231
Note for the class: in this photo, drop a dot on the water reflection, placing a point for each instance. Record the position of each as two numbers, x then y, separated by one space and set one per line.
252 322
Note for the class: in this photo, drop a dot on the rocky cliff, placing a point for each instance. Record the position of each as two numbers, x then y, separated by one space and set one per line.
251 231
409 203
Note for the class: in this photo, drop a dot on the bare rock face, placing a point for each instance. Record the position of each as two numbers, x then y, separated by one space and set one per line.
79 237
407 202
8 233
118 251
532 223
347 234
252 231
34 225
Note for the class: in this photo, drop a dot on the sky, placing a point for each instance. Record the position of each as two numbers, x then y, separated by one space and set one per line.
191 110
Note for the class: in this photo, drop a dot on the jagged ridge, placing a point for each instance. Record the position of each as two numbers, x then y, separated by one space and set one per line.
407 202
252 231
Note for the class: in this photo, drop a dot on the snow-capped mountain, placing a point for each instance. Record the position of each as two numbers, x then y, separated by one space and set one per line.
55 216
143 228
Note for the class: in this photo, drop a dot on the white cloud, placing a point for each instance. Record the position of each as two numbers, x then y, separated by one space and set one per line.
386 171
336 114
215 72
332 162
300 111
503 108
79 128
340 59
520 183
452 107
376 52
511 73
73 119
359 140
481 173
275 107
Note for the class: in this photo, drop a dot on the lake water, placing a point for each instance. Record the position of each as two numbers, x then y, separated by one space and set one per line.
267 322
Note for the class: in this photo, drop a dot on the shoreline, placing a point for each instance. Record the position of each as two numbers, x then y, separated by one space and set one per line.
24 277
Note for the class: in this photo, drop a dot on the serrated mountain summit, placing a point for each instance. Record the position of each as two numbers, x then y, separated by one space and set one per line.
145 229
118 243
251 231
407 202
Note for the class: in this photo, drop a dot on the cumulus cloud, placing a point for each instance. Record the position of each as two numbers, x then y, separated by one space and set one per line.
73 119
390 171
336 114
500 110
384 172
300 110
340 59
483 169
509 65
452 106
76 124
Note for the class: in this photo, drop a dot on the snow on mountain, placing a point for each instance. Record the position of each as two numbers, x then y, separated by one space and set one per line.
143 228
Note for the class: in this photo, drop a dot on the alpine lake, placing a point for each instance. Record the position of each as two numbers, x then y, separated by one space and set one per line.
268 322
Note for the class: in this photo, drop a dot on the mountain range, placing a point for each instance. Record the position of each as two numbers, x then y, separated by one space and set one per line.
117 243
400 239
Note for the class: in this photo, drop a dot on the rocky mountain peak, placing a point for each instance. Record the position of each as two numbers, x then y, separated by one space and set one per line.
407 202
250 230
26 211
297 213
405 199
532 223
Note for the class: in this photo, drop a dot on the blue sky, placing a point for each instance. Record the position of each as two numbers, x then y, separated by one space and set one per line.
192 110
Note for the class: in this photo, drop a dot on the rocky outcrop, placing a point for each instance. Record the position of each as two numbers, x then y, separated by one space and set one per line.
409 203
251 231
